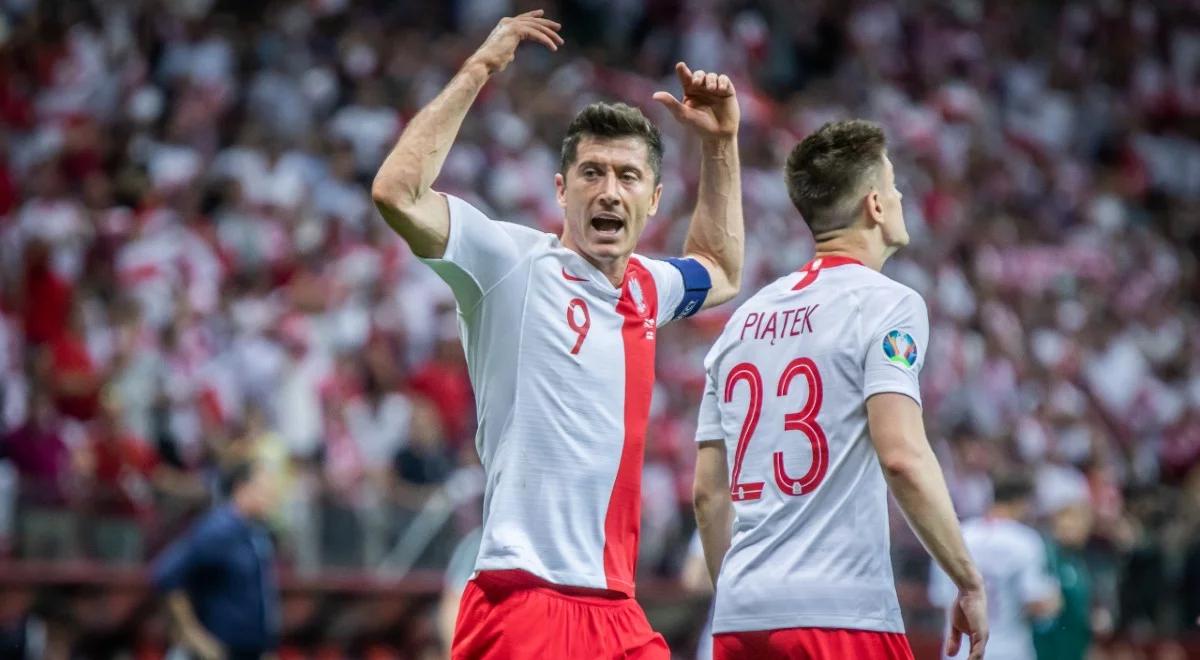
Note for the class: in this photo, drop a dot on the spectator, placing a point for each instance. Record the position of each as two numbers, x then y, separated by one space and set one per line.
424 461
219 579
121 470
43 464
1068 636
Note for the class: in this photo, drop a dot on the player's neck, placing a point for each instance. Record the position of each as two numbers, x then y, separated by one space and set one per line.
612 269
854 246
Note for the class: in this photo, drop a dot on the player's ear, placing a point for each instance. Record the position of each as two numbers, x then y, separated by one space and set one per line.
874 207
560 190
654 198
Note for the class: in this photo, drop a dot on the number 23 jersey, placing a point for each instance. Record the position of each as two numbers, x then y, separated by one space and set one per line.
786 389
562 364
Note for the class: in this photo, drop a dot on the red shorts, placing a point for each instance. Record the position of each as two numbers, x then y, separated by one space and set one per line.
512 614
811 644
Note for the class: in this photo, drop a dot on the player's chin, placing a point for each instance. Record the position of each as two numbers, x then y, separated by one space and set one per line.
609 247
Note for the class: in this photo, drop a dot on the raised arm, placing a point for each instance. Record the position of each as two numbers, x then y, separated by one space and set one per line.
715 237
402 188
915 479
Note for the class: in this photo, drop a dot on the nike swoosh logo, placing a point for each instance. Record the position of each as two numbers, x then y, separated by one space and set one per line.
570 277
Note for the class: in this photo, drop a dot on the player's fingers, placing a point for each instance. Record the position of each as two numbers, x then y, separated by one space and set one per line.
538 24
538 36
977 644
724 84
953 642
710 82
554 36
545 22
697 79
683 73
533 13
671 103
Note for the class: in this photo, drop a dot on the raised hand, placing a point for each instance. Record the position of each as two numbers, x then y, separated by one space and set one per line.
501 45
709 104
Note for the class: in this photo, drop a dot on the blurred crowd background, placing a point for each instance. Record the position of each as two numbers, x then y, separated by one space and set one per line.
191 269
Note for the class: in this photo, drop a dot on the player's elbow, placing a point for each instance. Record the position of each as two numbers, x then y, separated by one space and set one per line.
706 496
902 462
393 193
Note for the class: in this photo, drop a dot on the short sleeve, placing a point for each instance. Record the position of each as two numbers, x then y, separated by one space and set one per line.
896 347
480 252
708 426
683 285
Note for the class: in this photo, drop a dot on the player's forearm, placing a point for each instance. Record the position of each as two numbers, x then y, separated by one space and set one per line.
415 161
714 517
917 484
716 233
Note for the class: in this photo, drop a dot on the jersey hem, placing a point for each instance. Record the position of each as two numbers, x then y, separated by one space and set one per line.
890 389
784 622
563 578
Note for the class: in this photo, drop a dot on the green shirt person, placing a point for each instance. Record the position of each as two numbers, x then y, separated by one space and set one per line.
1068 635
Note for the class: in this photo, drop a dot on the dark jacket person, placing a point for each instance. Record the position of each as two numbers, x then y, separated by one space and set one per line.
218 579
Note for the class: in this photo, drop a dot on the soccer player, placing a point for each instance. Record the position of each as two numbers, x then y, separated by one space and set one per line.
811 411
1012 558
559 335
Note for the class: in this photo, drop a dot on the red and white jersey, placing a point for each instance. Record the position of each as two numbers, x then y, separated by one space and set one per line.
1012 559
562 363
787 385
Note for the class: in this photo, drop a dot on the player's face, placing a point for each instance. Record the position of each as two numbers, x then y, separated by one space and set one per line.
895 234
606 195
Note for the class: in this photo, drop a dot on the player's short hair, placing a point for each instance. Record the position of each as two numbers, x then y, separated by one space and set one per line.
827 171
1010 487
237 474
608 121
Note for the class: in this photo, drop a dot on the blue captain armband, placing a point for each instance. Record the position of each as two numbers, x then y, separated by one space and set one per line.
696 285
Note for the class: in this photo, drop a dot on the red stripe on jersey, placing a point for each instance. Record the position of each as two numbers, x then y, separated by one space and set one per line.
815 266
639 309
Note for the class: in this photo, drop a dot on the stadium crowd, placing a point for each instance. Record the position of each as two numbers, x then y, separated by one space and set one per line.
193 271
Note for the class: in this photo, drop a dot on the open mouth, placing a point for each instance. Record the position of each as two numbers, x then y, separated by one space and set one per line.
608 224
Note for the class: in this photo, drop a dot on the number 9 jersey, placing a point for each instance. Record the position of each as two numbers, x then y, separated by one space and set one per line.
562 365
786 390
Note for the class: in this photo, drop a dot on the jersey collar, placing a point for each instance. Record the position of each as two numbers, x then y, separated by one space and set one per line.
582 268
811 269
821 263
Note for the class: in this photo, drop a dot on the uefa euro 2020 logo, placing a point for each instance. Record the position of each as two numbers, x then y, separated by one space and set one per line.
900 348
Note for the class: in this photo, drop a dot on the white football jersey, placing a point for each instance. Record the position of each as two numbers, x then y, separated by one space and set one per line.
787 385
1012 559
562 364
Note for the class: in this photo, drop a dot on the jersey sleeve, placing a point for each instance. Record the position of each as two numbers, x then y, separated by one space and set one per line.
480 252
708 426
682 284
896 346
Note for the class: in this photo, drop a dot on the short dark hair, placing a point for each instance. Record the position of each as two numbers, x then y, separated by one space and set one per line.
237 474
609 121
1010 487
828 167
